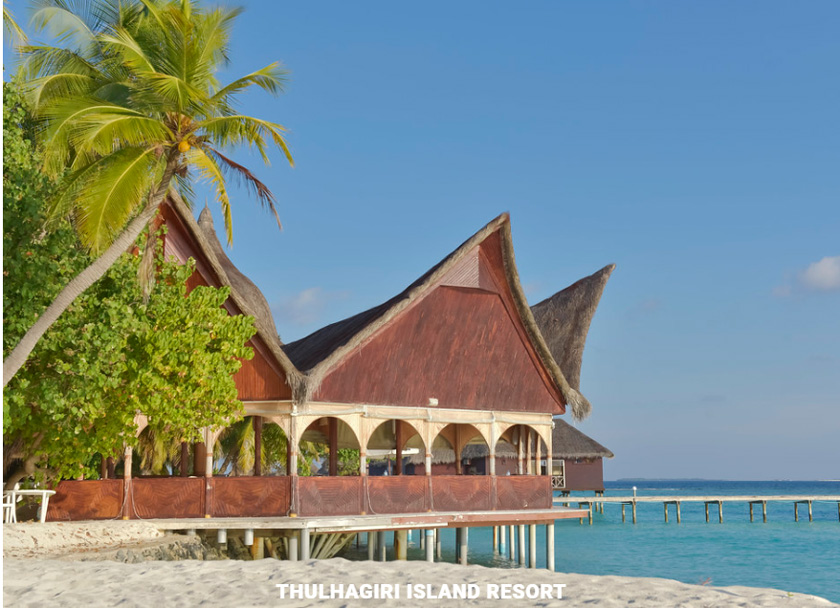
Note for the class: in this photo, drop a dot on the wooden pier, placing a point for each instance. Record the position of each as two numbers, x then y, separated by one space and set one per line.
632 501
300 530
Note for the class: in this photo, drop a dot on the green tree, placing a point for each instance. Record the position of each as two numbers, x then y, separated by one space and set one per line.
113 355
131 107
110 354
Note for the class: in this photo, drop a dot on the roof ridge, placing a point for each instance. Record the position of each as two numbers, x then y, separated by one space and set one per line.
218 261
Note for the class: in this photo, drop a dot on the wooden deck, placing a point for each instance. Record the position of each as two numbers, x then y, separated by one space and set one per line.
367 523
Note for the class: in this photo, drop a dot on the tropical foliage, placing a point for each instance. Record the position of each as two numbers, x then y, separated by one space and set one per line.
111 354
128 107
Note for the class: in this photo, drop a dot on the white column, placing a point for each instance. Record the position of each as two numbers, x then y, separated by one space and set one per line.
430 545
549 546
532 545
383 551
293 546
304 543
512 542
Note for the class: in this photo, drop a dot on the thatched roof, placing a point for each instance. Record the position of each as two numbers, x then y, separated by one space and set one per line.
319 352
246 288
564 321
244 294
568 442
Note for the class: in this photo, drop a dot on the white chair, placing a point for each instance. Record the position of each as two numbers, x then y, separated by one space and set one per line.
9 508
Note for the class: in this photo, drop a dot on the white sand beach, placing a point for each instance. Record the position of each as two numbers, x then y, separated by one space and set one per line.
42 566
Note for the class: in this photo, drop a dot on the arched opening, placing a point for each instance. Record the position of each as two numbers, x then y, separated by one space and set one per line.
521 451
394 448
460 449
328 446
158 454
251 447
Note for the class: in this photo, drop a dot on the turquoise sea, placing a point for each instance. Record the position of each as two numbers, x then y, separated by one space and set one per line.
803 556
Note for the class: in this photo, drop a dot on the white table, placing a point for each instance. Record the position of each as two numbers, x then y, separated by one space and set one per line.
44 494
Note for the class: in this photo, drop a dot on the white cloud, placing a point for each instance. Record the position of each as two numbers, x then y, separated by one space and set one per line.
823 275
819 276
305 307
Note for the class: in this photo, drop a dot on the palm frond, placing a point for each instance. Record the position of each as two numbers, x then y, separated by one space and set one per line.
244 176
239 129
58 121
122 182
103 132
210 171
122 43
271 78
13 30
67 22
41 91
212 39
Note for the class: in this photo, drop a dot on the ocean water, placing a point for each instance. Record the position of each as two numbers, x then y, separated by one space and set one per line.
782 554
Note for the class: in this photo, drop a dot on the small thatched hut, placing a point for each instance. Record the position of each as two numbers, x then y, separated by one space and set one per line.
577 459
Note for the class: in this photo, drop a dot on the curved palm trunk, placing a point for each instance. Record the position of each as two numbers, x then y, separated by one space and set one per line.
88 276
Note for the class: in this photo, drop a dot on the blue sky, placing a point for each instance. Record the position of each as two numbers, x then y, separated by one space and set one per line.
695 145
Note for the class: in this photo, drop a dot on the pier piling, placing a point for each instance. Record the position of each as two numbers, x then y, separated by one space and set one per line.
521 530
430 544
512 542
382 549
304 543
401 545
549 546
532 545
293 547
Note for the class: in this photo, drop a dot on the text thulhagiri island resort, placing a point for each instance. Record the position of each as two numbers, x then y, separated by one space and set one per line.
434 409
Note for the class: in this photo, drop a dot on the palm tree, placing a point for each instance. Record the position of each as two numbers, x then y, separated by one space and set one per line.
129 109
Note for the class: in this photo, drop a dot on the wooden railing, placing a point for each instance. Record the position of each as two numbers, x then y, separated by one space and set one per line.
94 499
462 493
397 494
249 496
523 492
329 496
178 497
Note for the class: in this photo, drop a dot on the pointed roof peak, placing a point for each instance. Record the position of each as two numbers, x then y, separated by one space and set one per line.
564 319
319 352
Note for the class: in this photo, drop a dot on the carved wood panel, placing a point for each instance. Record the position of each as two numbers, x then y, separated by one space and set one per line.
461 493
330 495
166 497
90 499
523 492
398 494
250 496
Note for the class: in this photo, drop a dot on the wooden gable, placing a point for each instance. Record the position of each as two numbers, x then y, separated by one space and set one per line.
259 379
462 342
